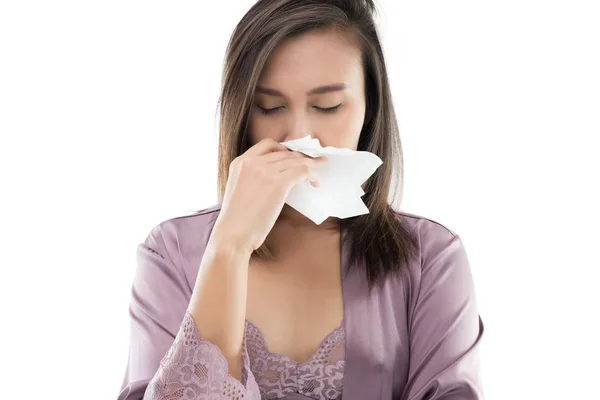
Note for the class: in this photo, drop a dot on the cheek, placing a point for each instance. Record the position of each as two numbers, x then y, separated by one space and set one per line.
344 129
259 128
354 119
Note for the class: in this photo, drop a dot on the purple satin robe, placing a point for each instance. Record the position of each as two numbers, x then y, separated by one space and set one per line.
415 338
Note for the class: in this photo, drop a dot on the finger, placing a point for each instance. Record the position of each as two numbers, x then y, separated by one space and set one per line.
301 173
265 146
280 155
296 162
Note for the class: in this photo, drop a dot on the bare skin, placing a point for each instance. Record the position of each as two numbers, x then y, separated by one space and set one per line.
296 299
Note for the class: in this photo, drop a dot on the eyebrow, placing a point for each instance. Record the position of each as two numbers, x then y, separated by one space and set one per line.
334 87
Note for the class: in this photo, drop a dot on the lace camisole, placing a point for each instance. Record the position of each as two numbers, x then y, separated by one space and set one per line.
277 375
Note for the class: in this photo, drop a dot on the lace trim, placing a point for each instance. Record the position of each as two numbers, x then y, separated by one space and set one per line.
320 377
194 368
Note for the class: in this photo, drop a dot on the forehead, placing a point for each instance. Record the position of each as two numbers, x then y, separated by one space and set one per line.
311 59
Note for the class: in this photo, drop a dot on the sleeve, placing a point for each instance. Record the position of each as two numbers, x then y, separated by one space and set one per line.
445 330
167 357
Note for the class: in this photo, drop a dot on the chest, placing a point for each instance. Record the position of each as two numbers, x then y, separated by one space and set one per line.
296 303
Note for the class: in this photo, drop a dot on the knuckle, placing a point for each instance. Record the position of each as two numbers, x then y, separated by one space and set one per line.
244 165
244 162
234 165
241 162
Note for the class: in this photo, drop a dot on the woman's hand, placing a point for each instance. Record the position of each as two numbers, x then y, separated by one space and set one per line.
258 184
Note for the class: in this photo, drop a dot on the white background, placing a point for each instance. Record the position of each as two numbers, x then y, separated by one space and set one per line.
108 127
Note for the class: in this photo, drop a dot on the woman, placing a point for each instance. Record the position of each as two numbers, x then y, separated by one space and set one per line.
250 299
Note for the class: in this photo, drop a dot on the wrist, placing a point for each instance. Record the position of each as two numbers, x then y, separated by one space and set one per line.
225 245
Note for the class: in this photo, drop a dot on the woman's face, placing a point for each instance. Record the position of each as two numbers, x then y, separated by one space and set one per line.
289 88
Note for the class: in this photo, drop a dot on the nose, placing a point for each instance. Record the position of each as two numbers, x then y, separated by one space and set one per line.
298 126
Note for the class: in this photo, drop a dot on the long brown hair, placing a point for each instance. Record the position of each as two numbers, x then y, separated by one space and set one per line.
380 239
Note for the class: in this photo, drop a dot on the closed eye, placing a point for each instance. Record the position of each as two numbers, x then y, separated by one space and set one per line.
269 111
330 109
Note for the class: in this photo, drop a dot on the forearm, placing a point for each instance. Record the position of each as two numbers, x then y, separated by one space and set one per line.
218 302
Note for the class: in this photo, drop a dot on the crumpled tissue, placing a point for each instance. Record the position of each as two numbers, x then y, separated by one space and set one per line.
339 194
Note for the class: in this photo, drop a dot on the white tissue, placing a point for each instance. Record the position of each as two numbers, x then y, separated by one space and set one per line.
339 194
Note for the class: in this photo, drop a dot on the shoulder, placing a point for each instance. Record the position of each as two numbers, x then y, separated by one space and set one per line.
182 239
443 264
425 225
192 227
432 235
440 256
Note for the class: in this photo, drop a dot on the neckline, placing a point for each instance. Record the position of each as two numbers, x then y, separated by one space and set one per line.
340 327
287 358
